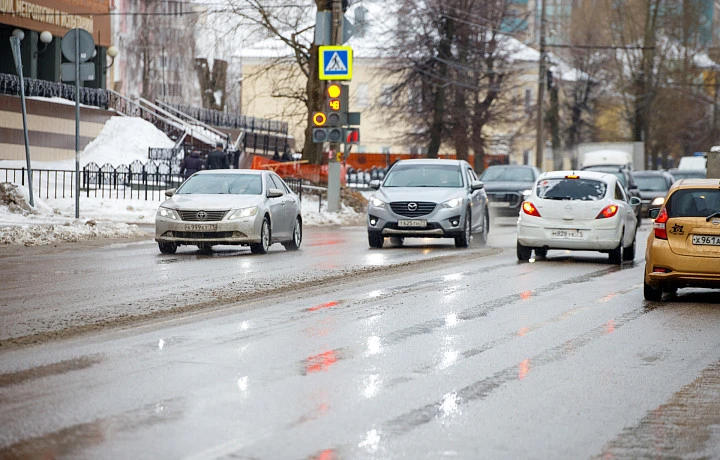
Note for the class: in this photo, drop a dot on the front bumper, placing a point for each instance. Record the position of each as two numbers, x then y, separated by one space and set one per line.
441 223
237 232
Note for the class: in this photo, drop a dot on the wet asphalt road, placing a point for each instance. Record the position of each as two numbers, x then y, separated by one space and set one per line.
338 351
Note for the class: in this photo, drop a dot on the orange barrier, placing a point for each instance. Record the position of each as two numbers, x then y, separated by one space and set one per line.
317 174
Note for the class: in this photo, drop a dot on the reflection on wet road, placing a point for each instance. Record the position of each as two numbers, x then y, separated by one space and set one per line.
419 351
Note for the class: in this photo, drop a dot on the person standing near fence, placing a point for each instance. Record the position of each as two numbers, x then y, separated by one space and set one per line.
217 159
191 164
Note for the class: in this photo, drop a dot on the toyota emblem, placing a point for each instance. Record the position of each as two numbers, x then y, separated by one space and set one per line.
201 215
412 206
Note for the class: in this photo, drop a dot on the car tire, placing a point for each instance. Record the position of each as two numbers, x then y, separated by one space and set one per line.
483 236
650 293
294 243
264 244
523 253
167 248
616 255
541 252
397 240
375 241
629 252
463 240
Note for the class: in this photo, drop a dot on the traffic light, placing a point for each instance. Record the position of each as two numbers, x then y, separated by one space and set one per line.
319 135
335 134
352 135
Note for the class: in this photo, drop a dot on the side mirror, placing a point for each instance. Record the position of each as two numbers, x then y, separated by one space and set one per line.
375 184
633 187
654 213
169 193
274 193
635 201
477 185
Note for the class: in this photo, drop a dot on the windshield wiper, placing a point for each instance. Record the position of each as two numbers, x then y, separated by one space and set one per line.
715 214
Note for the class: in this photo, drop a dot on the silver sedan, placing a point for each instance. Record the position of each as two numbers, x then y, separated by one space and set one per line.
230 206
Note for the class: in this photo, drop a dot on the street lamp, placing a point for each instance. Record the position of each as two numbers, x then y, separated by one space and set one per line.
112 53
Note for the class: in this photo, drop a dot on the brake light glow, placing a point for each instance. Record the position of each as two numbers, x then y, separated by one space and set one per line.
609 211
659 224
572 176
530 209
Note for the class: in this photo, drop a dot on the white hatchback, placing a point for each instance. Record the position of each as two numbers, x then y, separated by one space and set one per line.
577 210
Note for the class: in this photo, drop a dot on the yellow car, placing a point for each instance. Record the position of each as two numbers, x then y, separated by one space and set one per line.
683 250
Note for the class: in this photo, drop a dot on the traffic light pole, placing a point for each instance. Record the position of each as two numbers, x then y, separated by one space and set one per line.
333 165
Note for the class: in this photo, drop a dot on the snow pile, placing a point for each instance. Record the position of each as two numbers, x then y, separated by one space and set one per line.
124 140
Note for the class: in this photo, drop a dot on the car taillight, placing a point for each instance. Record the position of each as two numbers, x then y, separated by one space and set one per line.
659 224
609 211
529 208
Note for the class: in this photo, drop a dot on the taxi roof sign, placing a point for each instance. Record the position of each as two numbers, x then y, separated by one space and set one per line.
335 62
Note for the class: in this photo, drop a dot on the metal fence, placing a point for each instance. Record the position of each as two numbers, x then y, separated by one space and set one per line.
360 179
136 181
10 84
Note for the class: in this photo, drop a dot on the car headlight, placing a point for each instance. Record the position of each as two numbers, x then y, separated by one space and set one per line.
377 202
244 212
454 203
167 213
658 201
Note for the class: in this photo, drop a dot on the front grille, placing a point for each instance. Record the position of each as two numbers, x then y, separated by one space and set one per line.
210 216
505 197
423 208
202 235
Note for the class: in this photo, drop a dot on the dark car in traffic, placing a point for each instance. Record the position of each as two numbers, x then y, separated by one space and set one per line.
505 186
688 173
653 186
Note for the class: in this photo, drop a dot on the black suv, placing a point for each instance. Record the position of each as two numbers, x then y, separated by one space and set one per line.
505 184
625 177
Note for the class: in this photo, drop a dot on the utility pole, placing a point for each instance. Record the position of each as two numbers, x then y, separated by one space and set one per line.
333 164
540 139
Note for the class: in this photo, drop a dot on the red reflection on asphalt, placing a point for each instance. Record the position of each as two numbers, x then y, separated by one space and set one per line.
523 331
610 327
321 362
525 295
323 305
523 369
327 454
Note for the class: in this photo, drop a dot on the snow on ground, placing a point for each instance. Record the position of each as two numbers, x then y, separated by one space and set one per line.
122 141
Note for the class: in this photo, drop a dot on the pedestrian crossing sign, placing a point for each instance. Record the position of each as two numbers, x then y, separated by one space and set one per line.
335 62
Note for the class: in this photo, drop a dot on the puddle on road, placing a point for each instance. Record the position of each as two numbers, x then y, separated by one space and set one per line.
684 427
70 442
47 370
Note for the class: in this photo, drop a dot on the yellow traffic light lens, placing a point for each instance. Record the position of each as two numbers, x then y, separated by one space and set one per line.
319 119
334 91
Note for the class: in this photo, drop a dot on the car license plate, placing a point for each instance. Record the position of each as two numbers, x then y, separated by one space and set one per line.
412 223
200 227
499 204
706 240
567 234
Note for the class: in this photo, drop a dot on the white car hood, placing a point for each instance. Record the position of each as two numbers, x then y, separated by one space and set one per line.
215 202
430 194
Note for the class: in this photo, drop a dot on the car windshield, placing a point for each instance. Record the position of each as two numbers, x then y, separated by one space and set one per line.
231 184
427 175
652 183
693 203
571 189
499 173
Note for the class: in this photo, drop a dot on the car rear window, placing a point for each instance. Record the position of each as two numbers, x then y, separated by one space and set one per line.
571 189
693 203
652 183
428 175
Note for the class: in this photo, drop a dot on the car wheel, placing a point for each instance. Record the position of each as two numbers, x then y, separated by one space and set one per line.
294 244
651 293
264 244
523 253
463 240
397 240
167 248
541 252
629 252
616 255
483 236
375 241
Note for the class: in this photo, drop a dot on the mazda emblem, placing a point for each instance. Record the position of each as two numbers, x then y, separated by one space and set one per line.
202 215
412 206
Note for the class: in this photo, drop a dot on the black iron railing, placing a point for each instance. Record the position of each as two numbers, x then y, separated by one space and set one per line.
10 84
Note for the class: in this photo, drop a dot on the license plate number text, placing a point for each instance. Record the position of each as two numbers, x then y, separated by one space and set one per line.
412 223
706 240
200 227
567 234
